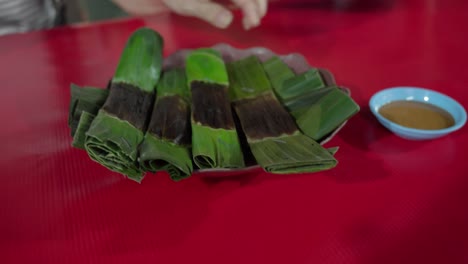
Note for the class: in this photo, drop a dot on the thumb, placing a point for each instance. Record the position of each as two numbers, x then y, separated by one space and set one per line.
211 12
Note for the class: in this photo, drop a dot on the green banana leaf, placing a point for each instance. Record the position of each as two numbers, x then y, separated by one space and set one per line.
325 113
292 154
273 137
79 138
167 141
113 143
120 125
317 110
215 143
277 72
300 85
286 84
84 99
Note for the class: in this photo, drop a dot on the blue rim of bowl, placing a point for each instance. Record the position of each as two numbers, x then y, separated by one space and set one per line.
455 127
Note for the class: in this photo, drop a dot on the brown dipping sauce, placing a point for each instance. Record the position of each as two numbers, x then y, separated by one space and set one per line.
418 115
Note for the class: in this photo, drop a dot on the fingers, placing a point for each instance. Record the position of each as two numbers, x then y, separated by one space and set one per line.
251 15
263 4
253 10
208 11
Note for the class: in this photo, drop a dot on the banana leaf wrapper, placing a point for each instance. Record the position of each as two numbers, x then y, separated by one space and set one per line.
120 125
317 109
274 139
286 84
167 141
79 138
277 72
215 143
84 99
324 112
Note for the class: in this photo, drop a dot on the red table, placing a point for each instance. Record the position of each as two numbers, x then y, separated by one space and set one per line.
388 201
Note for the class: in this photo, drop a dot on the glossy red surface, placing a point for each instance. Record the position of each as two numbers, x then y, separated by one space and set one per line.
388 201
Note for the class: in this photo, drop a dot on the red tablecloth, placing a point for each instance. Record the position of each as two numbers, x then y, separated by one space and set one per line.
389 200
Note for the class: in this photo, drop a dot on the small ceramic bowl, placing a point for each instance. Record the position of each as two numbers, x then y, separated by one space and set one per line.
420 95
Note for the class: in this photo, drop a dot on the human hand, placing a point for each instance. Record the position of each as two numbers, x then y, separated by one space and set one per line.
216 13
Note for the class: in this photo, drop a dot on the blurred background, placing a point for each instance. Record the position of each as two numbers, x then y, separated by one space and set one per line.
91 10
96 10
25 15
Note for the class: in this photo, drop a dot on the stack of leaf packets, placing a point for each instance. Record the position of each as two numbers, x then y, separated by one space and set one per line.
167 141
317 109
206 116
275 141
119 127
214 137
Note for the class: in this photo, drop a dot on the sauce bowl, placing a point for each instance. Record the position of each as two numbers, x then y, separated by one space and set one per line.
423 95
